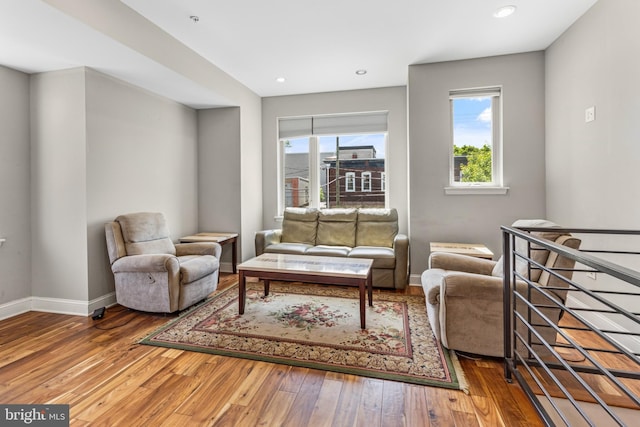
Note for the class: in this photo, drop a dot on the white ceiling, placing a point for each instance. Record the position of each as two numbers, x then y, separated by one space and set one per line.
316 45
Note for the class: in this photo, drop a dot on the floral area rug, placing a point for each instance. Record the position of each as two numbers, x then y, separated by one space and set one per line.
318 327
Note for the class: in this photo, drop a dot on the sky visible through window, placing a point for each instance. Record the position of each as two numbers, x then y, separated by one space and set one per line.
472 121
328 143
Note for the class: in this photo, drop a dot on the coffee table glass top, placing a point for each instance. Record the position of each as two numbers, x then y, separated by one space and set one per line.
326 266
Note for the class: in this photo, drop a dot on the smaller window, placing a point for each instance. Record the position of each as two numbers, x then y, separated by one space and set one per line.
476 137
366 181
350 184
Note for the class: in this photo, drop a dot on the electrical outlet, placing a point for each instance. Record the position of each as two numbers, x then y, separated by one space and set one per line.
591 275
590 114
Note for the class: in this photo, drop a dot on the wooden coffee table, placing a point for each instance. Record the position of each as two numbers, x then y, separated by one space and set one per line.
310 269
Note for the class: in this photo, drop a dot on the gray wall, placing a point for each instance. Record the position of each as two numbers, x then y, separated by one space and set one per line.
101 147
592 168
220 165
15 211
392 99
474 218
58 185
141 155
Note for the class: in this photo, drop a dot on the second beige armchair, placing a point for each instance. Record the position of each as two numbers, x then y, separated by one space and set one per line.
464 295
151 272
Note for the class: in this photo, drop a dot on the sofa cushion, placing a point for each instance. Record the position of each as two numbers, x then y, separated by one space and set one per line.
299 225
377 227
325 250
288 248
382 257
538 255
337 227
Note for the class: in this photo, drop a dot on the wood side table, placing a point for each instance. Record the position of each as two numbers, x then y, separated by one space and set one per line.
471 249
220 238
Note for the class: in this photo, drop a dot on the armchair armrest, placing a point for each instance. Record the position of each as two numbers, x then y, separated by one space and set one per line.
401 251
265 238
464 263
146 264
199 248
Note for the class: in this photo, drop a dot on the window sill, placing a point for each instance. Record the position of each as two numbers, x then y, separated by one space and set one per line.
475 190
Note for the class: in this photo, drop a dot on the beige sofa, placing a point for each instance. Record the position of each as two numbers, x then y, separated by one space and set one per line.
356 233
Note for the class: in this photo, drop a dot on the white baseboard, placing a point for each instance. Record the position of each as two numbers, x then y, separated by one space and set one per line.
601 321
55 305
13 308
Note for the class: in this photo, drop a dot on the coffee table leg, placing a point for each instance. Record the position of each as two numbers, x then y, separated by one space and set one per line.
267 282
361 285
242 291
370 288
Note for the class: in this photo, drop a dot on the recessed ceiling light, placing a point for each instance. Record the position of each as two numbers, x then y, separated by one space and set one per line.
504 11
361 72
281 79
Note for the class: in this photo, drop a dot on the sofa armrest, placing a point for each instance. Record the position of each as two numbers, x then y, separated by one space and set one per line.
146 264
463 263
265 238
401 251
199 248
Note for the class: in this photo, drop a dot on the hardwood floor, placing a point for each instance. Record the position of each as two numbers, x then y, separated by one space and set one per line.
107 379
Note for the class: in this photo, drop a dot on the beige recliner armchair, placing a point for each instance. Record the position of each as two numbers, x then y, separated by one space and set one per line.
151 273
464 295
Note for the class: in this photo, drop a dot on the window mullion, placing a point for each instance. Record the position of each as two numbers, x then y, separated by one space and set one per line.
314 172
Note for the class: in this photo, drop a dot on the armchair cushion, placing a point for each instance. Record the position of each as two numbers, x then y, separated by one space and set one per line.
539 256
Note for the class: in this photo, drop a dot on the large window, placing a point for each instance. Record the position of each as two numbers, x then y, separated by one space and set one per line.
333 161
476 158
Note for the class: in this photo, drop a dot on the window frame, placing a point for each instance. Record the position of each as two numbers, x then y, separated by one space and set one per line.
314 127
350 182
365 178
496 186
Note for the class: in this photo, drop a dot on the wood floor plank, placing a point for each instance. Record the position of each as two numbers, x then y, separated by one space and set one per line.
370 409
393 403
245 408
306 398
416 409
326 403
277 409
438 406
349 401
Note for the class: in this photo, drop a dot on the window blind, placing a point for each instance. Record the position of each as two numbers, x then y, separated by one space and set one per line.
338 124
480 92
